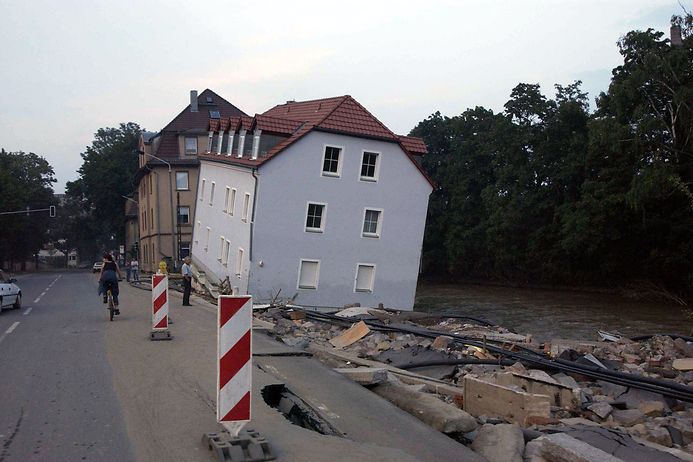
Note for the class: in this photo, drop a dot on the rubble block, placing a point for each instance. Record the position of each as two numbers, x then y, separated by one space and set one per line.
490 399
559 345
364 375
351 335
444 417
562 395
500 443
560 447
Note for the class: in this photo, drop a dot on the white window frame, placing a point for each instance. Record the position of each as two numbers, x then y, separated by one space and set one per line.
239 261
211 194
187 181
323 218
221 248
376 172
209 230
202 190
356 277
340 161
227 193
232 202
197 233
185 146
246 207
379 227
317 274
225 256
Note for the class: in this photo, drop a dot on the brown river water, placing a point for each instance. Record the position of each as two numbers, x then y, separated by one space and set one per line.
548 314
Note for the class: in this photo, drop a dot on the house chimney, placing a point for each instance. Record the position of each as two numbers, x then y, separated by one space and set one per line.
675 32
193 101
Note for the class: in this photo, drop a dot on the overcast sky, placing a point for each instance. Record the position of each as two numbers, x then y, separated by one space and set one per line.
69 67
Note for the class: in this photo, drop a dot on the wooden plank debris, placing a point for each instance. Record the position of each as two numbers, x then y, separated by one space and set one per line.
351 335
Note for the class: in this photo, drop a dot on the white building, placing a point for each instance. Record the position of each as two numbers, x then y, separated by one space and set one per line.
314 198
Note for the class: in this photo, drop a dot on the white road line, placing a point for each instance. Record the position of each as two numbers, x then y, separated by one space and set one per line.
12 327
37 300
28 310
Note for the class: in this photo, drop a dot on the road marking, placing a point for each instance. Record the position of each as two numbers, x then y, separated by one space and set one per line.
28 310
9 331
36 301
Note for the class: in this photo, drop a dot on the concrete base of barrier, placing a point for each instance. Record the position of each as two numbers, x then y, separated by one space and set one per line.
160 335
248 446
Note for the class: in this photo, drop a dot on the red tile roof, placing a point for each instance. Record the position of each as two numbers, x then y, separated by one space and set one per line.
342 114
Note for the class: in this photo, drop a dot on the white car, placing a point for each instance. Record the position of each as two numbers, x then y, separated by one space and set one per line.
10 293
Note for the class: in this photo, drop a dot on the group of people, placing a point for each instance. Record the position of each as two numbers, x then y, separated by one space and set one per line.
110 274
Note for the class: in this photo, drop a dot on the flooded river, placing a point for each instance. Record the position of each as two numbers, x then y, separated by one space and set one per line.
548 313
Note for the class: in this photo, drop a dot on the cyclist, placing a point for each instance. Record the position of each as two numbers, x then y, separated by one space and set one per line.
108 279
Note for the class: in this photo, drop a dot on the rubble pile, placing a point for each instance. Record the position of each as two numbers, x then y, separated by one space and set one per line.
496 405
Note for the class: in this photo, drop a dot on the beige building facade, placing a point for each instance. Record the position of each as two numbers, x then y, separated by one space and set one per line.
167 180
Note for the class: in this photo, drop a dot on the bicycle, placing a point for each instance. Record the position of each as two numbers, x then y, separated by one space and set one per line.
111 305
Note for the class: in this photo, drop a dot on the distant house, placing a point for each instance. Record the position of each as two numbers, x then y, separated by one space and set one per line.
315 198
166 197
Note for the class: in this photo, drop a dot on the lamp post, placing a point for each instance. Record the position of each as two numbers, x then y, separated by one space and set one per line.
173 214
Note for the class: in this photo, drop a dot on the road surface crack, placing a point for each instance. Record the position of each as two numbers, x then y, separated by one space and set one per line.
6 445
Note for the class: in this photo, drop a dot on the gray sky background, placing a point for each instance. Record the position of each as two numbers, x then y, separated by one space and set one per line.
70 67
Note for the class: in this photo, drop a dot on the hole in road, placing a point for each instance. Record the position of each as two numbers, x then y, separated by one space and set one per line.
297 411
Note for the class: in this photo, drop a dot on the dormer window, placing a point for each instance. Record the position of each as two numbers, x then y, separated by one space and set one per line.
214 115
331 165
191 145
209 99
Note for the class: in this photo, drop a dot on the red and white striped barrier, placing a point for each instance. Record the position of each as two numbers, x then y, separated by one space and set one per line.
234 366
159 302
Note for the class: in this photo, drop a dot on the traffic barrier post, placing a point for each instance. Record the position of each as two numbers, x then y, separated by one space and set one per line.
160 308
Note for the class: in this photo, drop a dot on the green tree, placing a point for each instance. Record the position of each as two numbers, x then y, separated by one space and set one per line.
107 174
25 181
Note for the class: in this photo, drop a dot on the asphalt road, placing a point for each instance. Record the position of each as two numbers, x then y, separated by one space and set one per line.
57 399
74 386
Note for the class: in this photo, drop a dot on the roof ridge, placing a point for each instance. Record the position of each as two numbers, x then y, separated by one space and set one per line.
187 107
344 98
374 117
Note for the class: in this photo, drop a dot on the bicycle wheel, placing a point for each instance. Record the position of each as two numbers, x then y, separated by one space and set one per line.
111 307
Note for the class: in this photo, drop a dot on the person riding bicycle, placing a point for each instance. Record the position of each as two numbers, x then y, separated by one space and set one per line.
108 279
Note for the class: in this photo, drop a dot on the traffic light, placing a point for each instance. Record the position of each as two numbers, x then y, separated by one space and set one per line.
51 211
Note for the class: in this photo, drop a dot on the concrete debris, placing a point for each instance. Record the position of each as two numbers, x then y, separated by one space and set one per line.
499 443
438 414
351 335
561 447
628 417
366 376
601 410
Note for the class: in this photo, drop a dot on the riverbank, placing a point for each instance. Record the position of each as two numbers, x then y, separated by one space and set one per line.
548 313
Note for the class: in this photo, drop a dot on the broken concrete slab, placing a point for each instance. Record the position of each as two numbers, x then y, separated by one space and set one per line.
440 415
634 397
366 376
351 335
652 408
499 443
560 447
601 409
628 417
490 399
611 389
537 384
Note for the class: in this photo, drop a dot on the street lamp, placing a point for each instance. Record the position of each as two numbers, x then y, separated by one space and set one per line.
173 220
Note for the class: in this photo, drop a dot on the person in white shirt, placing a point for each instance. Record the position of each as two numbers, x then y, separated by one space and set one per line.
186 271
135 270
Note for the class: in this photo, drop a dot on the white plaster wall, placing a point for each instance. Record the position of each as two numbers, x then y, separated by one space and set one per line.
232 227
292 179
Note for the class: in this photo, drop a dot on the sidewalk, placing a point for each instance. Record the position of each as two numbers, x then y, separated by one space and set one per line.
167 390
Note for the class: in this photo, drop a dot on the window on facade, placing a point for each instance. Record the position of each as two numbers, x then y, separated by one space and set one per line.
222 243
371 223
214 114
308 273
315 221
184 250
151 218
150 183
210 142
183 215
198 231
239 262
209 230
369 166
202 190
232 201
365 275
226 199
246 206
191 145
182 181
225 256
211 193
330 163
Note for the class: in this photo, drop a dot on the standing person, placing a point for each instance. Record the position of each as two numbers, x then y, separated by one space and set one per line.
186 271
135 268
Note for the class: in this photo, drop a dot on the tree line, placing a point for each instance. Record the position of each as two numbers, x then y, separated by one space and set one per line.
547 192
